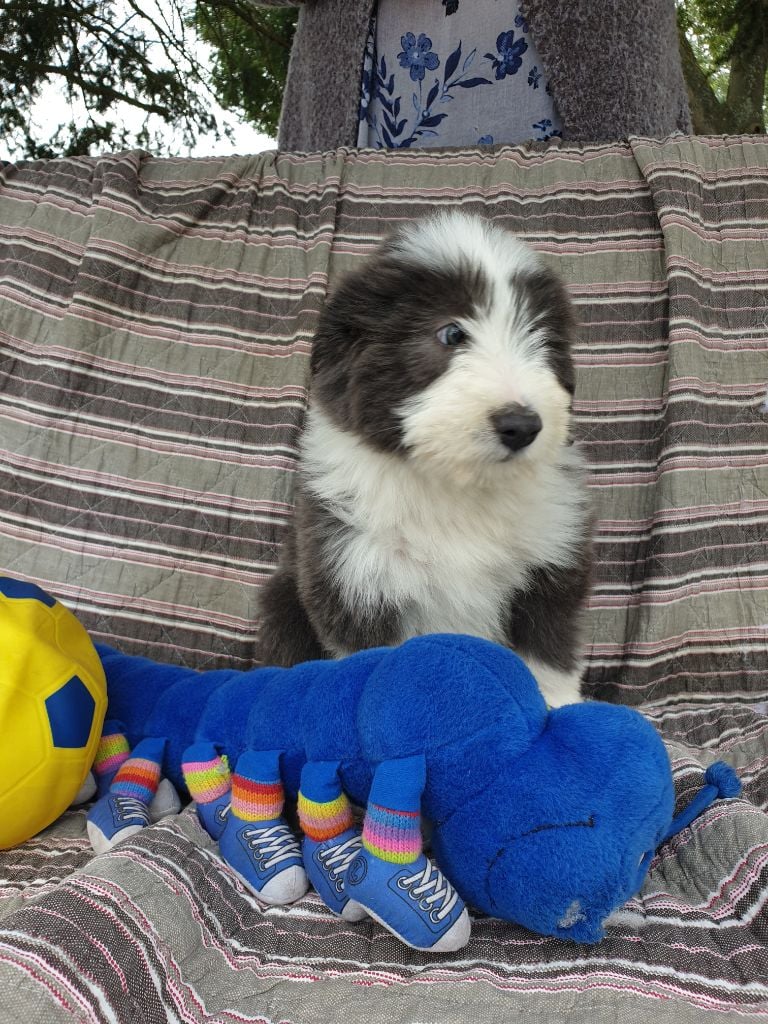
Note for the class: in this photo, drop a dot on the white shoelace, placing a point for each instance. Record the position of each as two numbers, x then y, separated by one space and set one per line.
272 845
130 806
338 858
431 878
222 813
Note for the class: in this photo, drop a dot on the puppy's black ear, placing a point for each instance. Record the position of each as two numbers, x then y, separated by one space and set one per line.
550 308
332 340
352 315
333 346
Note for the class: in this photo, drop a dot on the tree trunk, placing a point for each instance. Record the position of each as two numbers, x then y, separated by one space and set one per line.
709 115
743 110
749 63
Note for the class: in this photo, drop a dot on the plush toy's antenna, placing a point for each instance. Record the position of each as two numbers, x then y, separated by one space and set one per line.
720 781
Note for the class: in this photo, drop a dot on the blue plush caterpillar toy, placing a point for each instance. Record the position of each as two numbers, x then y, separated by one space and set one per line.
547 818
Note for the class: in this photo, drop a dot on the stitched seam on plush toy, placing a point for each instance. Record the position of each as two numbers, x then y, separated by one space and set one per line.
589 823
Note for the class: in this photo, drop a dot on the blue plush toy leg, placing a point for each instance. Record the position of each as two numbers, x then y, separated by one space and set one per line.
392 827
209 782
331 840
124 809
112 752
392 878
256 842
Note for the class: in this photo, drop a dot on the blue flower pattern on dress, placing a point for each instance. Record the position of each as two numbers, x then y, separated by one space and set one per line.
417 55
510 51
544 126
389 120
391 129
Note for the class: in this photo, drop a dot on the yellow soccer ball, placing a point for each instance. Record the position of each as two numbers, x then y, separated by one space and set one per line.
53 698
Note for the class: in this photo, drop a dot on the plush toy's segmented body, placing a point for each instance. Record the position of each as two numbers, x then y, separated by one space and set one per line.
542 817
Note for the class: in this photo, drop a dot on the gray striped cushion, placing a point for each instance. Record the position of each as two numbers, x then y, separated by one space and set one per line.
155 329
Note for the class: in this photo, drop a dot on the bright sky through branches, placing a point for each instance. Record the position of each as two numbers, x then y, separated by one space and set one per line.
53 108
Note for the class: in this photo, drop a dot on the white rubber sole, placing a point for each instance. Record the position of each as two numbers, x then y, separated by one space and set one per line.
103 844
454 939
287 891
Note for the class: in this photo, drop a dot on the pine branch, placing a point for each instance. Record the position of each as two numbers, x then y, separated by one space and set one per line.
244 12
73 77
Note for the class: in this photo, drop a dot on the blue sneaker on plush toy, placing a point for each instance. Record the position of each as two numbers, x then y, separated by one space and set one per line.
545 818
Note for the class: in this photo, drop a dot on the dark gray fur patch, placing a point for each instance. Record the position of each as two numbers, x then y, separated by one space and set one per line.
376 342
549 306
302 612
545 619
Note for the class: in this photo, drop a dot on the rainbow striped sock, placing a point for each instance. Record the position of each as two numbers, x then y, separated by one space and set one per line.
392 835
139 776
392 826
206 774
113 751
257 790
324 810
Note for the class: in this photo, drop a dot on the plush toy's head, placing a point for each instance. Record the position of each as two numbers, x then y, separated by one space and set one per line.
544 818
570 829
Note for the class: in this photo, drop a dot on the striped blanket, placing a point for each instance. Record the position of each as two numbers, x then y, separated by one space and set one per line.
155 324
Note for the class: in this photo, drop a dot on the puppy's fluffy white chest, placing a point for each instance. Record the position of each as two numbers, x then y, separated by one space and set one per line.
447 555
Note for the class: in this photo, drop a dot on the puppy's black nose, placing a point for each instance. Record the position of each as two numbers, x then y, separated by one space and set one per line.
517 426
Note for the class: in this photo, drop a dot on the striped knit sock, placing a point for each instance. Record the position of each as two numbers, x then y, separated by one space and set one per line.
257 790
209 782
206 774
139 776
113 750
392 826
324 811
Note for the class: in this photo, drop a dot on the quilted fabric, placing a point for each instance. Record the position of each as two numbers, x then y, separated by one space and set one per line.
156 323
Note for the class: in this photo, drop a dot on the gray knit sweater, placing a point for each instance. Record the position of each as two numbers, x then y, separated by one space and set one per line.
613 65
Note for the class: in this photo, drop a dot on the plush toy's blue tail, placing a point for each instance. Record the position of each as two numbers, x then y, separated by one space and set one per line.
720 781
150 699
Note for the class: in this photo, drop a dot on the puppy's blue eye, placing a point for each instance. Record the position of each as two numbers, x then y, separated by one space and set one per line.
451 335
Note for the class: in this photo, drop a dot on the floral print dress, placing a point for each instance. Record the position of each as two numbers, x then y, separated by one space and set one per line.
452 73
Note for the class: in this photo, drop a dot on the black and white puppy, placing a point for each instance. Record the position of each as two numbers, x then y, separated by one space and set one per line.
439 490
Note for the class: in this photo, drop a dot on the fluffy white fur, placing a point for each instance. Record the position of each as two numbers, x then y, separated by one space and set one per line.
453 237
446 553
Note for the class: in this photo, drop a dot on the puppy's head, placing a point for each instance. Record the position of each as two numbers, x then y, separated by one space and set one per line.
450 346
